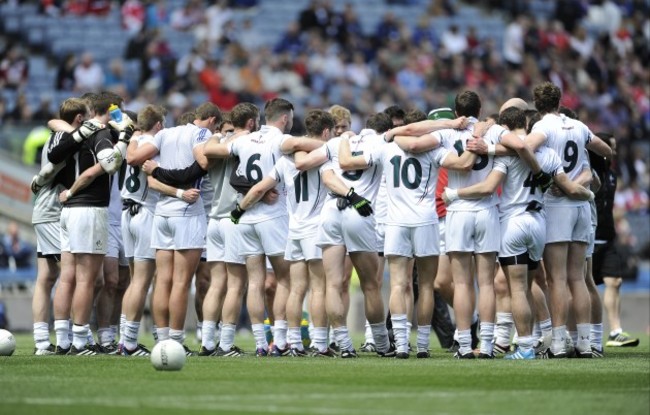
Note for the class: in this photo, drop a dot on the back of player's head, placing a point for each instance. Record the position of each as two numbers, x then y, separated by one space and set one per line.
317 121
513 118
514 102
276 108
72 107
100 105
187 117
568 112
547 97
396 114
243 112
208 110
414 115
444 113
380 122
226 122
340 113
113 97
149 116
532 120
89 97
468 104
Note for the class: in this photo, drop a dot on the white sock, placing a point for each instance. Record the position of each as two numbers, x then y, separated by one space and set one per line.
465 341
380 334
574 337
487 334
62 329
583 343
319 339
122 327
177 335
104 336
596 336
526 343
260 336
199 332
130 336
342 337
41 335
79 336
456 335
559 339
208 333
91 338
280 334
311 329
163 333
537 331
227 338
113 332
424 334
295 338
330 336
400 332
503 329
217 332
615 332
368 334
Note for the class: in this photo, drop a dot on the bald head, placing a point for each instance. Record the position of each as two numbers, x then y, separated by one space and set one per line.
514 102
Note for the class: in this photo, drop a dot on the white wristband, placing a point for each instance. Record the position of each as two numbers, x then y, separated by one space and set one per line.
492 149
452 194
68 194
179 193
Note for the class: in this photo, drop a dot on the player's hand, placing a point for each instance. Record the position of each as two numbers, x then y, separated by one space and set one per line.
556 191
149 166
543 180
36 184
122 125
63 196
191 195
460 123
87 128
361 204
236 214
477 146
270 197
127 133
480 128
449 195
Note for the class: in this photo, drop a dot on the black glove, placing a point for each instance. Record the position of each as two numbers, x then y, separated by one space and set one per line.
236 214
125 135
458 145
361 204
543 180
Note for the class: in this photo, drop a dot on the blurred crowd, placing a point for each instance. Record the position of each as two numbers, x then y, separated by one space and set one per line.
597 51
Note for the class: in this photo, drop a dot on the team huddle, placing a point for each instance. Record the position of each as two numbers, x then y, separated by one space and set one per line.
123 204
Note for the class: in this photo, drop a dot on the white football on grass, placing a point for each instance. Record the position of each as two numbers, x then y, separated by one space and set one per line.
7 343
168 355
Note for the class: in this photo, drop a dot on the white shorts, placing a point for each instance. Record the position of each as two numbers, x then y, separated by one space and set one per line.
346 227
419 241
441 230
380 228
221 245
136 235
591 243
568 223
268 237
84 230
178 232
472 231
48 238
303 249
115 245
523 233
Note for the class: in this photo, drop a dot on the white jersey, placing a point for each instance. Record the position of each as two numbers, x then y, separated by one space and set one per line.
568 137
519 188
115 202
47 207
365 182
380 209
482 167
175 146
207 193
410 183
306 195
136 187
258 152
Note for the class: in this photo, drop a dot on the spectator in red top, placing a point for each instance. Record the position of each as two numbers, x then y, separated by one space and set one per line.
133 15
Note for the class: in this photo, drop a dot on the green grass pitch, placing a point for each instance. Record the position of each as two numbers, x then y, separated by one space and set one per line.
618 384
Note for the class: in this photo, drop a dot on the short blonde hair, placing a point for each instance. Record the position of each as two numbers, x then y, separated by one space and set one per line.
340 113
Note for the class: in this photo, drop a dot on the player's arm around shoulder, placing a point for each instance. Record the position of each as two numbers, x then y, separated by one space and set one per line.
216 148
572 189
346 160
